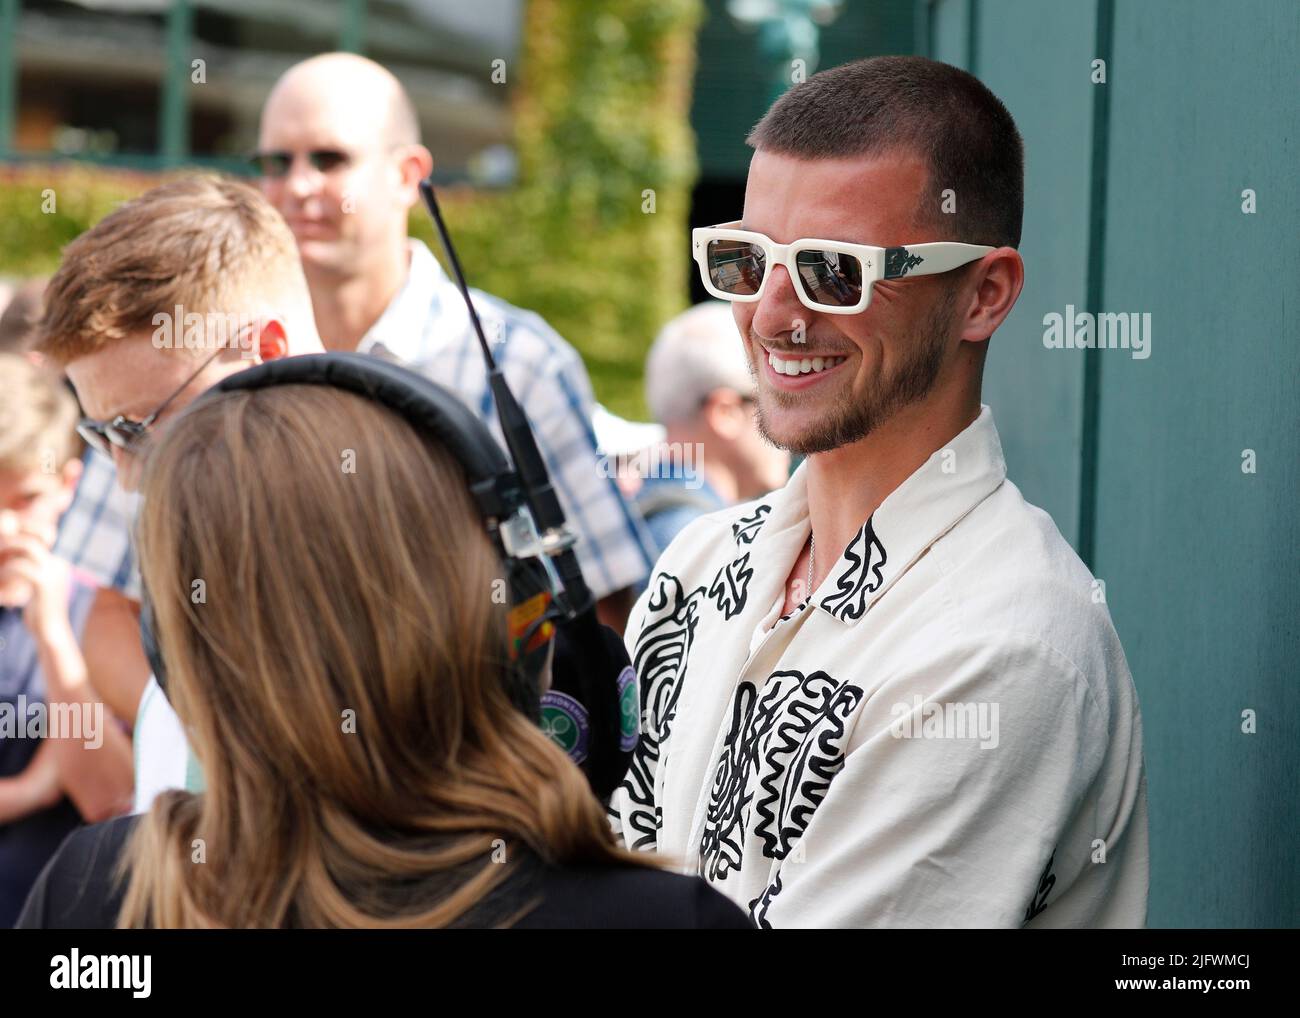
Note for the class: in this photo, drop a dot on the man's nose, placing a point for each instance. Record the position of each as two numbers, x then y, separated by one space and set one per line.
9 524
303 180
779 309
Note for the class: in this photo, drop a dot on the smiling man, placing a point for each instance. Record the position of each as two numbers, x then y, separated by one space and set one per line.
884 695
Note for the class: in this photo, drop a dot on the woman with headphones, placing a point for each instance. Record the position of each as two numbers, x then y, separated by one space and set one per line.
323 590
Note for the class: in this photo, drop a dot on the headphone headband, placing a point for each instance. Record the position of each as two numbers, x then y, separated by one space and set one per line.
429 408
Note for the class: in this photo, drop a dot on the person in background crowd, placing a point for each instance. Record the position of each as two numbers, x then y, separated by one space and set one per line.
20 315
93 536
444 805
620 442
339 155
699 387
165 296
63 757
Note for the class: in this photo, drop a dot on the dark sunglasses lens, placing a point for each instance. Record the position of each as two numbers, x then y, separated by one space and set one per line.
326 160
736 266
830 277
272 164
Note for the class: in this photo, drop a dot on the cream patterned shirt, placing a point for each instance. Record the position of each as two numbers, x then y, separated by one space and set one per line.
945 734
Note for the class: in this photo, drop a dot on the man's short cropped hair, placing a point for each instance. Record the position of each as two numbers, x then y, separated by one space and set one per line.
208 244
942 113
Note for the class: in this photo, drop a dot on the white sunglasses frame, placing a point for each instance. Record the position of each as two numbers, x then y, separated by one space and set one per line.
877 262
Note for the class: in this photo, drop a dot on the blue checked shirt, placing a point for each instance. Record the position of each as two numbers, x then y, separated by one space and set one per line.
95 532
427 327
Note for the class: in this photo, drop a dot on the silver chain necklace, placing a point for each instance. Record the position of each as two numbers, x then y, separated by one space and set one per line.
812 553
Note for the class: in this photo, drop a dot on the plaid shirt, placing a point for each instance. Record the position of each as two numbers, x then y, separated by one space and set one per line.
95 532
427 327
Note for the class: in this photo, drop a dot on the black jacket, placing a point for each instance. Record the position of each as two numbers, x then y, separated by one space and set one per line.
78 890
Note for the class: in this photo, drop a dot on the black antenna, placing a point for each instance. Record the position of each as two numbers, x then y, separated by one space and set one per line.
426 189
591 664
548 515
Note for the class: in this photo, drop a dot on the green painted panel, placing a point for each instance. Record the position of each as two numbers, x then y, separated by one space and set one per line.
1035 57
1201 559
950 30
732 90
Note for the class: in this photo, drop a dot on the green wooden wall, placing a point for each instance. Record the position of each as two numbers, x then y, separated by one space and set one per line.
1134 204
732 78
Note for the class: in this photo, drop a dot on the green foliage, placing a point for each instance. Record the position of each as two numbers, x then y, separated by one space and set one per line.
601 118
43 207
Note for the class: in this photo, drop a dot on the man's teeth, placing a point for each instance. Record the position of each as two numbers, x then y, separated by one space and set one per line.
801 367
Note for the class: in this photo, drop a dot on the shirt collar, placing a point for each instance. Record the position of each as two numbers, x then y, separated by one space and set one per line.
404 328
952 482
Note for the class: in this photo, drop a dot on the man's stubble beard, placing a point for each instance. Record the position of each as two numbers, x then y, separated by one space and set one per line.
852 418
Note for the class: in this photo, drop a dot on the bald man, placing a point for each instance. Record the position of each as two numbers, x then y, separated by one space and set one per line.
339 155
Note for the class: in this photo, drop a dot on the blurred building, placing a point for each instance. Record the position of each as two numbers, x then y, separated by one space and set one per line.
150 84
154 83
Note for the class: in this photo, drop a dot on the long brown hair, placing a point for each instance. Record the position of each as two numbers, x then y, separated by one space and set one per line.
323 593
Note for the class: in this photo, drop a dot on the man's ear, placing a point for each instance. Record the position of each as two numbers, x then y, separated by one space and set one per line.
272 341
1001 276
415 164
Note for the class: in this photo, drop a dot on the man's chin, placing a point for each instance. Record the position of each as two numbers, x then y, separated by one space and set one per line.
794 432
806 431
319 254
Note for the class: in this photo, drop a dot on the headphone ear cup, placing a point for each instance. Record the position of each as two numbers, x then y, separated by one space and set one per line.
149 640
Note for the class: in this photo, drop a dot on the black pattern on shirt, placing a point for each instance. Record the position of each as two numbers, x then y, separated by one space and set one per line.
730 588
745 529
784 745
1045 884
660 657
866 555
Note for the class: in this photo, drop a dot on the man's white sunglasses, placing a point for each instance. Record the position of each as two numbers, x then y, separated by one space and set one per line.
829 275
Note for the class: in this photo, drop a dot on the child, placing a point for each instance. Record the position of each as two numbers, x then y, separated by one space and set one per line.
63 758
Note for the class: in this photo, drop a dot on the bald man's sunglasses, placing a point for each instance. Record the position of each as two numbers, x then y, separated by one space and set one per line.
278 164
829 275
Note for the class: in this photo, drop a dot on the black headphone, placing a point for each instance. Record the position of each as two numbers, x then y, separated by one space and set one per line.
494 484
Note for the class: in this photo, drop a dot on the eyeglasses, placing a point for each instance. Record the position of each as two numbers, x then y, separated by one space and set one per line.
829 275
278 163
127 434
